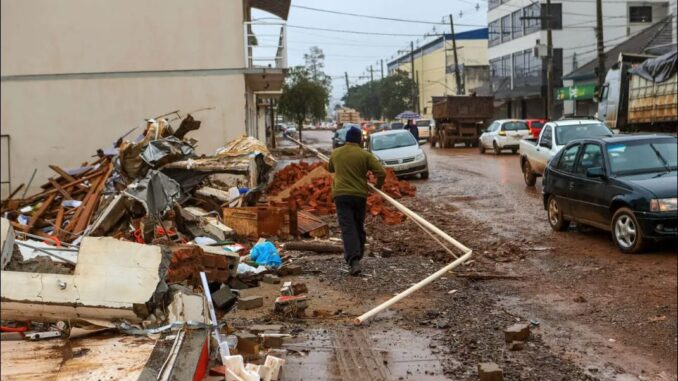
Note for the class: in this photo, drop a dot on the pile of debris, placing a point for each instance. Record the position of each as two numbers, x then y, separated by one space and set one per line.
309 187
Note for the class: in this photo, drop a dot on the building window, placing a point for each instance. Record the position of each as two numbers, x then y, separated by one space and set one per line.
532 67
517 28
556 16
518 69
506 28
532 22
640 14
494 33
506 66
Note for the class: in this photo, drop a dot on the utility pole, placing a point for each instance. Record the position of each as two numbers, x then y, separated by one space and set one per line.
371 74
346 76
549 63
382 69
272 109
414 84
457 76
600 43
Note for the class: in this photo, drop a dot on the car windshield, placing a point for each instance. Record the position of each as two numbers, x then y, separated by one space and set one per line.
423 123
390 141
515 126
396 125
566 134
643 157
537 124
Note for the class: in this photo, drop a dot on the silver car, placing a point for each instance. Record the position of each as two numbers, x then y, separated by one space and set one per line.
398 150
504 134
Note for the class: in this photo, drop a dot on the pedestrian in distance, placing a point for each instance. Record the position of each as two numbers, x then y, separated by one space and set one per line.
350 165
414 130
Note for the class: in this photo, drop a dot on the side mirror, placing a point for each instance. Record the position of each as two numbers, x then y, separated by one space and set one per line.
596 172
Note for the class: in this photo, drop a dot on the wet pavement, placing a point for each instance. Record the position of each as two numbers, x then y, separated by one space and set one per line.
601 314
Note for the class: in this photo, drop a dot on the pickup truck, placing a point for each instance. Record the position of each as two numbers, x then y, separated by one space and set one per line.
536 153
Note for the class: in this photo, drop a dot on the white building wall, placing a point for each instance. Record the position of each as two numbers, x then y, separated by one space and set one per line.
77 74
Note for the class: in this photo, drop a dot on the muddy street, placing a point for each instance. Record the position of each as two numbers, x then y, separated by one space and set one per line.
594 313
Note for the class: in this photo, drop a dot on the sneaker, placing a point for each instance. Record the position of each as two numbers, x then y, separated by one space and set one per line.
355 268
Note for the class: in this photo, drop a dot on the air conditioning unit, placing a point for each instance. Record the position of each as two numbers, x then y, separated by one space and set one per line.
540 51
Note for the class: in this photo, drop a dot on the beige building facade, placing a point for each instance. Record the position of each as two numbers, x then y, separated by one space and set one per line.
434 67
77 74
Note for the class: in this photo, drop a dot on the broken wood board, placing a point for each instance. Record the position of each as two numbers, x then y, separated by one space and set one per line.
307 179
261 221
111 277
82 359
311 225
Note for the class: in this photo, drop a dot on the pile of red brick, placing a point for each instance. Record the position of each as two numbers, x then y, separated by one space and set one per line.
316 197
289 175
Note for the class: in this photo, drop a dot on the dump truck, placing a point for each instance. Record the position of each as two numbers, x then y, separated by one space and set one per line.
640 94
460 119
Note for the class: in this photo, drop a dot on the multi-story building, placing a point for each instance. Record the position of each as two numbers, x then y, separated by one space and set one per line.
77 74
434 71
516 27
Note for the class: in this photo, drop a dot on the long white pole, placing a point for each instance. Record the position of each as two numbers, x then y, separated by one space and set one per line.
424 224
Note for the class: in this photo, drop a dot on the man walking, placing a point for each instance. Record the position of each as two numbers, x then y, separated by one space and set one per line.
414 130
350 165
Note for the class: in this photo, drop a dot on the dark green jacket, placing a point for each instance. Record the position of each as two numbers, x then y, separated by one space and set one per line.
350 165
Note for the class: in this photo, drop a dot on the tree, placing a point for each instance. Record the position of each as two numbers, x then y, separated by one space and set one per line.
383 98
315 64
396 94
302 98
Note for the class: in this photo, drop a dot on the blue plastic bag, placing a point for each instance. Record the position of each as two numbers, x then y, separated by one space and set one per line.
265 254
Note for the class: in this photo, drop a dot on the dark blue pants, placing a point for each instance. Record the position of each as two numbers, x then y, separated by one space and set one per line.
351 214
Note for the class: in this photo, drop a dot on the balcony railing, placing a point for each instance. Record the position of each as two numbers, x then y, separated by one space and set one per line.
265 44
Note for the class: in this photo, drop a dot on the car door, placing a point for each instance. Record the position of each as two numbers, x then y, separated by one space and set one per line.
488 136
590 194
543 149
563 180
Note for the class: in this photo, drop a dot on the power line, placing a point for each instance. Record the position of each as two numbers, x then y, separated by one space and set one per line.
375 17
368 33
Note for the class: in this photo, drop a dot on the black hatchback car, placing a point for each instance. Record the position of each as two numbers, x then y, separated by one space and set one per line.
624 184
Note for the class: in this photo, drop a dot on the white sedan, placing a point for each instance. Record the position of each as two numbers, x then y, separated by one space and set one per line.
504 134
398 150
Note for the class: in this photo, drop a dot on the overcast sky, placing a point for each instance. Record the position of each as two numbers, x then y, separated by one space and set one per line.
353 53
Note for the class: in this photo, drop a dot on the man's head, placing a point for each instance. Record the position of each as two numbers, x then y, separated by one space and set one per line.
354 135
410 122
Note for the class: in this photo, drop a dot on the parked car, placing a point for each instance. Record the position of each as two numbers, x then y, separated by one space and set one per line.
623 184
535 153
425 126
535 126
339 137
398 150
503 134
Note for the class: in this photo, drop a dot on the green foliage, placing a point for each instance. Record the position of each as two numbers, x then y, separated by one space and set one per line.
382 98
302 98
315 64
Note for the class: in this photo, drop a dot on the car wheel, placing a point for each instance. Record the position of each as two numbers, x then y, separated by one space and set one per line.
528 175
555 215
482 147
514 151
497 150
424 175
626 232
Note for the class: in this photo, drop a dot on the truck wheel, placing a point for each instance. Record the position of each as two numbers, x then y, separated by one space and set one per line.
626 232
443 140
528 175
555 215
497 150
514 151
482 148
467 144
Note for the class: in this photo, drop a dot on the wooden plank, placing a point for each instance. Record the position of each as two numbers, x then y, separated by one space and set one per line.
64 174
59 221
43 208
88 207
64 193
49 192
